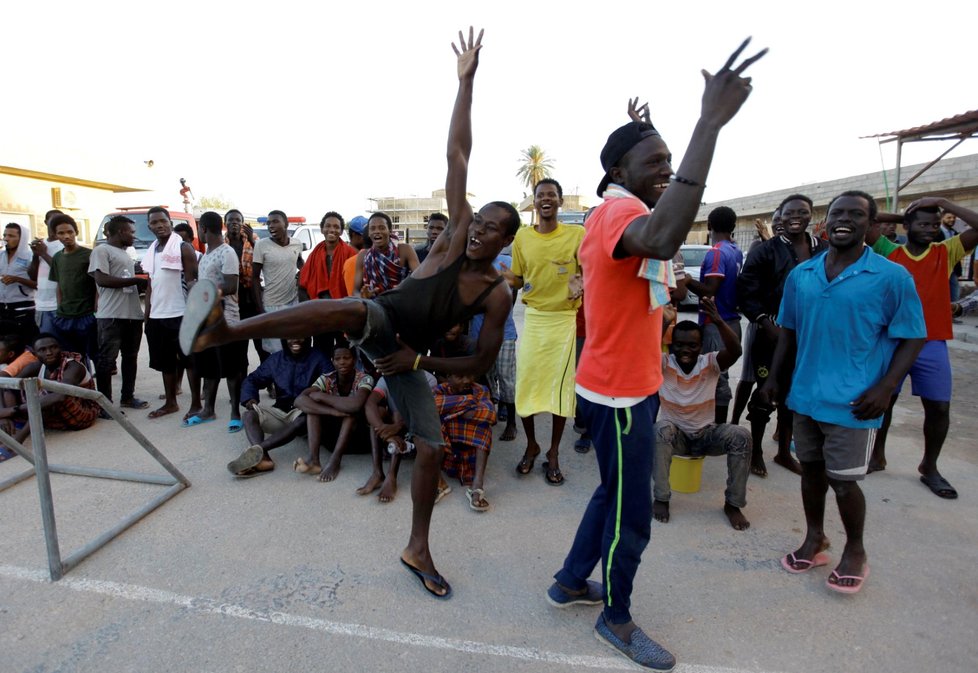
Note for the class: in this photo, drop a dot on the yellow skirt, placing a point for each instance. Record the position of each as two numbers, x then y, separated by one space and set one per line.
545 363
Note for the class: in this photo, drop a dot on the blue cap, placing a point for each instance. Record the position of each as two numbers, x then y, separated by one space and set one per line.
357 225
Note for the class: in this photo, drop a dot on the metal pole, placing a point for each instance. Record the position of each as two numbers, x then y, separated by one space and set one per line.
896 179
36 420
81 554
116 413
120 475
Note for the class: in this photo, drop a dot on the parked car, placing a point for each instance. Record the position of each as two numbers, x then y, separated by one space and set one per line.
693 256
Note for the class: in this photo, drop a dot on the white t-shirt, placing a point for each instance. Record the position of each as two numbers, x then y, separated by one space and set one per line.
279 270
213 266
689 400
168 298
46 297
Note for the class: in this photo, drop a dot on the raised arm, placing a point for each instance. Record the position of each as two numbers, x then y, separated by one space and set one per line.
660 234
732 349
969 239
459 149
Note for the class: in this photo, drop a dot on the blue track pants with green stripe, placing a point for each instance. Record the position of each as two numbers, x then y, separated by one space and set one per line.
617 523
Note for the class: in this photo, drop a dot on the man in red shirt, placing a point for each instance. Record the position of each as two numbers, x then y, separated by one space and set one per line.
930 264
621 366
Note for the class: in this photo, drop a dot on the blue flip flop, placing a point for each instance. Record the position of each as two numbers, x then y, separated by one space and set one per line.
235 425
195 420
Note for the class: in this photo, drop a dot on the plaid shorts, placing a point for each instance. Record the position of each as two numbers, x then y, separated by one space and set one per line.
502 375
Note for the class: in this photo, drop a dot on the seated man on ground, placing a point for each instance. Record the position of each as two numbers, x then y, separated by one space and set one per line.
686 424
269 426
13 355
335 401
467 415
388 433
59 411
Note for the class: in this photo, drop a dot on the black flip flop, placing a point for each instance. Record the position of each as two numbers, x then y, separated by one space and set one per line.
528 463
434 579
558 478
200 302
939 486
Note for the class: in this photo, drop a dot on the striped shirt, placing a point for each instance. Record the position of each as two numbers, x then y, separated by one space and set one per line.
689 400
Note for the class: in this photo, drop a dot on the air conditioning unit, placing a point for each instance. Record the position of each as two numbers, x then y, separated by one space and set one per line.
63 199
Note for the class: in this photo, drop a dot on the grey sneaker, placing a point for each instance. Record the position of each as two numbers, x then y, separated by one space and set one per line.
559 598
642 650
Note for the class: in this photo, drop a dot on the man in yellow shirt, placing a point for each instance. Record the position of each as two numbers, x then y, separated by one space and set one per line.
545 265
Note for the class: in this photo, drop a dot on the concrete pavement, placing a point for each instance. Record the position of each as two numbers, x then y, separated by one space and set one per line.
281 572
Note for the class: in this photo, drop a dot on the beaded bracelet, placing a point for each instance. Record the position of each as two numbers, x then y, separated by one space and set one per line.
685 181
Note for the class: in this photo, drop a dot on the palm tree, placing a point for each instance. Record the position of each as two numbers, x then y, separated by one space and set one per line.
534 167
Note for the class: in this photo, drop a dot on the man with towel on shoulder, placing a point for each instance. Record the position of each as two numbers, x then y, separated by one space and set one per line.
171 265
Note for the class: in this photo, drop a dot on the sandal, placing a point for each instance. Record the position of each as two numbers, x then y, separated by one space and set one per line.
435 579
442 492
554 477
525 466
300 465
135 403
476 495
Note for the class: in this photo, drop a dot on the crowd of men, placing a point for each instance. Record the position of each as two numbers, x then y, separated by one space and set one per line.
407 352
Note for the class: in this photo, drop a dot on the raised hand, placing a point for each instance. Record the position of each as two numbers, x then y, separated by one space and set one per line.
638 113
468 57
726 91
926 202
709 307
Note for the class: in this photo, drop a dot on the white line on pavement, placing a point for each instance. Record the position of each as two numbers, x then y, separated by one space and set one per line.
206 606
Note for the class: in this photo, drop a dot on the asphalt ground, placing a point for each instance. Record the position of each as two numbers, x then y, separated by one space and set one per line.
281 572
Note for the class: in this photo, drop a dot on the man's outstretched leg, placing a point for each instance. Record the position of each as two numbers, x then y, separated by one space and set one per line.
204 326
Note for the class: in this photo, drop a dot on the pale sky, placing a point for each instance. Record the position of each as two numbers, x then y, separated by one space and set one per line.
313 107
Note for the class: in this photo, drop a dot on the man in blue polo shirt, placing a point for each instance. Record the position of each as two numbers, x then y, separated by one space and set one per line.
857 326
718 279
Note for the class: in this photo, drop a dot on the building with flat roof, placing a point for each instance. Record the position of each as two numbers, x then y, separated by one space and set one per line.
25 195
955 179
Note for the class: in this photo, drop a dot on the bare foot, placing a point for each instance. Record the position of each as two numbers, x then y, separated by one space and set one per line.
164 411
758 467
660 511
388 490
194 411
330 472
373 483
736 517
875 466
509 433
788 463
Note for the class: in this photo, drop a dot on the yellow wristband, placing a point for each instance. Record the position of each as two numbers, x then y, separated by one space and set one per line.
417 361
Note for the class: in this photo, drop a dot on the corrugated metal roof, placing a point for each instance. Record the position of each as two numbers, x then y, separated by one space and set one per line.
957 123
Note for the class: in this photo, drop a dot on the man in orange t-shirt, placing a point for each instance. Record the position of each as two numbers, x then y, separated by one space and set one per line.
930 264
621 365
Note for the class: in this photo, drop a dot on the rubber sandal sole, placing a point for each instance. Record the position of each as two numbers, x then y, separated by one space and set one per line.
200 302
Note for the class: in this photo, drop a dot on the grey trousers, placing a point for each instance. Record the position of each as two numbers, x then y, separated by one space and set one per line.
713 440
